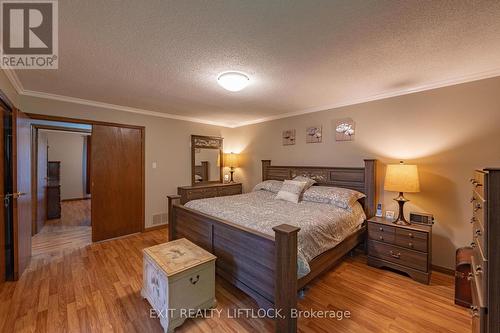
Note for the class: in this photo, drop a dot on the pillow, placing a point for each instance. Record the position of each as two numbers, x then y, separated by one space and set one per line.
340 197
273 186
310 182
291 191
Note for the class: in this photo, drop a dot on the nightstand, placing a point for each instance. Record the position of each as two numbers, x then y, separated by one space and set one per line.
406 248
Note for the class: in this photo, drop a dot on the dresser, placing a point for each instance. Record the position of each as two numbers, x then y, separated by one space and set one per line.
53 190
189 193
485 275
178 280
406 248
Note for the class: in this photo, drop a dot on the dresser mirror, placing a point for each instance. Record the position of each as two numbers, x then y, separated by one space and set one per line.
206 159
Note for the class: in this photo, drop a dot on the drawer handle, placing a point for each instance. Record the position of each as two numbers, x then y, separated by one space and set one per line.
410 245
381 229
381 237
474 311
410 235
194 280
394 255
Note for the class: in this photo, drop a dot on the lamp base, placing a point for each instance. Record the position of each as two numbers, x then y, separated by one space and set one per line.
231 180
401 200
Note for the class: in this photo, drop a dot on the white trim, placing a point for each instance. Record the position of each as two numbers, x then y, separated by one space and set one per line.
116 107
14 80
388 94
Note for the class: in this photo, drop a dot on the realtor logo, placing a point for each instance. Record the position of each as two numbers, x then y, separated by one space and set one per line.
29 34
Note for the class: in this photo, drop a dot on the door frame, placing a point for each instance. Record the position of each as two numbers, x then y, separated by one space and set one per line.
34 165
37 116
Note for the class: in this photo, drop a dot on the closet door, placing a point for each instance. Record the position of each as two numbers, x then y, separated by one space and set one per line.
116 181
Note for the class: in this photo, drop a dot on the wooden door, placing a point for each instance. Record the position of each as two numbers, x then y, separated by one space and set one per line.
3 113
116 181
21 196
41 211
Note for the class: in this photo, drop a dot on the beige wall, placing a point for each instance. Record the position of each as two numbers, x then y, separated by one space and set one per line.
167 144
68 148
448 132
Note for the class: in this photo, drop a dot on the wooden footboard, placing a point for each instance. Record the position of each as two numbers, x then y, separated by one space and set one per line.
260 265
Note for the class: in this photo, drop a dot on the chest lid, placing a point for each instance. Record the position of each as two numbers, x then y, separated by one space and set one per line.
178 255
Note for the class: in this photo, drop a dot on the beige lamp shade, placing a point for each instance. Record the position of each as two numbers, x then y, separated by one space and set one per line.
402 178
231 160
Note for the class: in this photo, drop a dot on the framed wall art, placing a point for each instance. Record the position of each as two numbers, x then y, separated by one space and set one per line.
314 134
344 129
288 137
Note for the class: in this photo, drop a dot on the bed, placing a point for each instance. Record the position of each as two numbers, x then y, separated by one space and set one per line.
261 262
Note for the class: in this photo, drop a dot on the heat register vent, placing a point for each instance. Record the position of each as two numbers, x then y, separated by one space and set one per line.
161 218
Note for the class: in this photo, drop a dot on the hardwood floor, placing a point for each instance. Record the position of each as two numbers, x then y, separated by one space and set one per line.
71 231
73 213
96 288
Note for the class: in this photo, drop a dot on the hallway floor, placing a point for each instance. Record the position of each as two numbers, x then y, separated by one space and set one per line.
72 231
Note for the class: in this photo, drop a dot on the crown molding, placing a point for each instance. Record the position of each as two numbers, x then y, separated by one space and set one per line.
14 80
16 83
384 95
87 102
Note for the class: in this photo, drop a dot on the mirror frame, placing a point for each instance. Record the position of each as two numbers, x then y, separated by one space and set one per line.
207 142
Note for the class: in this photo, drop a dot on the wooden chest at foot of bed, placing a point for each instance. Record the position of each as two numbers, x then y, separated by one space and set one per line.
178 279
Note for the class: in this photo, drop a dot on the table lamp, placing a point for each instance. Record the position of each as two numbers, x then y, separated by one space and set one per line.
231 161
401 178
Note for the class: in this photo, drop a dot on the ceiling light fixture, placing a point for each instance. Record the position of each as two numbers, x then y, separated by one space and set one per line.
233 81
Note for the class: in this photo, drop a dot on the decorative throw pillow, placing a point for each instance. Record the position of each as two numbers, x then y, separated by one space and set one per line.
310 182
273 186
340 197
291 191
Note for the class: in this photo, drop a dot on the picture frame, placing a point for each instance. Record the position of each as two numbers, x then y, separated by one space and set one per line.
345 129
288 137
314 134
390 214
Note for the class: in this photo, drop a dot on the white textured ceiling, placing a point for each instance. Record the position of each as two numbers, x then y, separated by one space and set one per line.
164 55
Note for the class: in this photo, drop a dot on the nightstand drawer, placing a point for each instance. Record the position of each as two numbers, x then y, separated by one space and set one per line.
398 255
381 228
411 239
381 236
230 190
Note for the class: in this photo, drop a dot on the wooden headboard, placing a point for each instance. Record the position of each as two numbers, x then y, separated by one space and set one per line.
359 179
